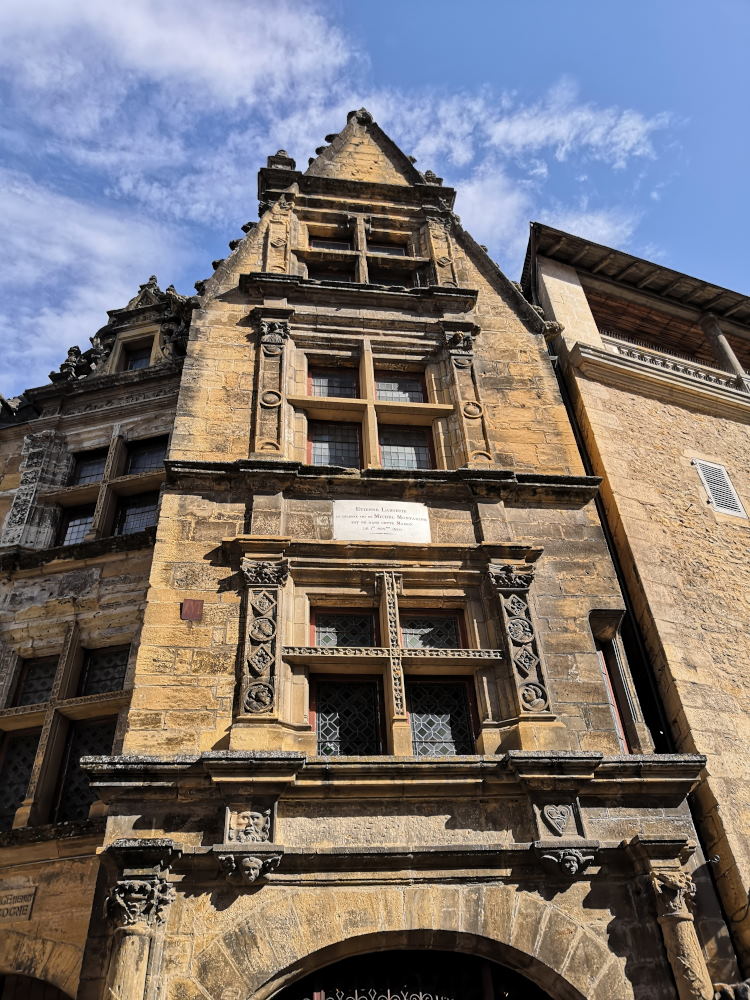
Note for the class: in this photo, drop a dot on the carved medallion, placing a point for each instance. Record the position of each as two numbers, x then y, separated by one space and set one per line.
520 630
263 629
472 410
259 697
533 698
270 398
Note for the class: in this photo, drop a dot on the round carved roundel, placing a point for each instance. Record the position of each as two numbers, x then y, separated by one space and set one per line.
519 629
262 629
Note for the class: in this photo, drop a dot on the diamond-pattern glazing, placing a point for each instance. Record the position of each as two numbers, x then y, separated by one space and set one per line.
35 681
430 631
348 718
85 739
18 754
439 717
104 669
335 629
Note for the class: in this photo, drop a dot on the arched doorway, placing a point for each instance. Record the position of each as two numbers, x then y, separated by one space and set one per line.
26 988
413 975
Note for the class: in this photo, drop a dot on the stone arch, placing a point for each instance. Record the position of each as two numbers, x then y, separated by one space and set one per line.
279 935
53 962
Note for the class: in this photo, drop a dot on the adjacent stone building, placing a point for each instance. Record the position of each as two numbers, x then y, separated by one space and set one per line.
307 576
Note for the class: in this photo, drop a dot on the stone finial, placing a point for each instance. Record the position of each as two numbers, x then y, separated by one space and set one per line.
281 160
430 177
361 117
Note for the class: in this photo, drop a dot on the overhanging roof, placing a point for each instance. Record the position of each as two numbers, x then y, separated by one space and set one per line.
633 273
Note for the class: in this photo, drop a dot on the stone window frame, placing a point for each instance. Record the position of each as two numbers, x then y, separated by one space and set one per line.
479 666
53 719
126 340
376 679
116 483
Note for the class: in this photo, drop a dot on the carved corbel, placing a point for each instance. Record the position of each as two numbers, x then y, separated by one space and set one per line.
566 860
511 585
264 581
245 869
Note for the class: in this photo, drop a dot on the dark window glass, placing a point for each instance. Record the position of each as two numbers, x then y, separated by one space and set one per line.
16 762
136 513
320 272
333 382
104 669
89 467
440 719
348 717
395 387
333 444
85 739
319 243
137 357
394 249
405 447
420 631
35 681
389 276
145 456
76 523
334 628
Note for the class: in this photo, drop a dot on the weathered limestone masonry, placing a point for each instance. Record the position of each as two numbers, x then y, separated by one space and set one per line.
656 365
346 671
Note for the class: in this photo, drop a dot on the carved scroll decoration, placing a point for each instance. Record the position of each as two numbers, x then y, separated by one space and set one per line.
512 589
390 585
262 652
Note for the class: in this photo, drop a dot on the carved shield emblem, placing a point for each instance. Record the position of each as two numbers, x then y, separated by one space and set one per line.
557 818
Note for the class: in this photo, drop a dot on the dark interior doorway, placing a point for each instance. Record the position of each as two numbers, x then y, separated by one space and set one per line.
26 988
414 975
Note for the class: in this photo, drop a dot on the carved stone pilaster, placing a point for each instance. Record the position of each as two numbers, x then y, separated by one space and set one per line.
390 585
268 416
262 652
674 890
45 462
511 586
440 248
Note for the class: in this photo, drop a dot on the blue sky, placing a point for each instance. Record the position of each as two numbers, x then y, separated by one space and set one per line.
131 133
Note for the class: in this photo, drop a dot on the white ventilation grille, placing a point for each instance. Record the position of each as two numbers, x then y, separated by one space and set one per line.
721 494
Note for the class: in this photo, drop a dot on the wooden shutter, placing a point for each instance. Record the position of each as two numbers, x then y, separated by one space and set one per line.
722 495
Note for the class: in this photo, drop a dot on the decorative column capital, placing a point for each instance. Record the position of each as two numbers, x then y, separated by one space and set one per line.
674 890
134 901
509 578
265 573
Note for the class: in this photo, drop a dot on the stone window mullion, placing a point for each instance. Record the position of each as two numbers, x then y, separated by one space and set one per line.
32 809
390 585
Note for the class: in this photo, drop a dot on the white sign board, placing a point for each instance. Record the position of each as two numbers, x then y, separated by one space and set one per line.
380 521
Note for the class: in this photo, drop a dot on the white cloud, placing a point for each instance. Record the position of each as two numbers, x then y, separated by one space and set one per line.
613 227
65 264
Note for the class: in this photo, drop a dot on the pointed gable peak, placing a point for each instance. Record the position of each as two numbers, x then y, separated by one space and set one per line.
363 152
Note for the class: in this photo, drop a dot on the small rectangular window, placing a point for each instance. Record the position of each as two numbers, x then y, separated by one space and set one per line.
35 681
137 357
393 249
341 382
440 718
104 670
85 739
76 524
425 630
348 717
136 513
399 387
89 467
722 495
16 763
145 456
343 628
321 243
333 443
405 447
605 655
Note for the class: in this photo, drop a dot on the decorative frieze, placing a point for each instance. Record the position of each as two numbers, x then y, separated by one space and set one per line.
511 586
265 581
268 412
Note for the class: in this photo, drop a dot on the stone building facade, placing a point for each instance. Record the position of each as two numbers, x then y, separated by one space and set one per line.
307 576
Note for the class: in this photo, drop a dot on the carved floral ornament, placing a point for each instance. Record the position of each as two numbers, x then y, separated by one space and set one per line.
265 574
133 901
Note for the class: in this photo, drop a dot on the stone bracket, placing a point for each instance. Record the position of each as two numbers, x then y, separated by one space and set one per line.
565 859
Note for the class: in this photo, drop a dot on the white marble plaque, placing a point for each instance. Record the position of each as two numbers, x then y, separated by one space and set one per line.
380 521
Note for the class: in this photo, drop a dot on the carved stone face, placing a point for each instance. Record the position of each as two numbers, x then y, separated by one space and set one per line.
569 864
252 822
251 868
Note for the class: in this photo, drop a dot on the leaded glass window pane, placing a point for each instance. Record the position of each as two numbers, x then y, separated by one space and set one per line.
430 631
405 448
18 752
136 513
137 358
348 718
35 681
335 629
104 669
321 272
395 387
75 525
392 249
145 456
89 467
334 444
319 243
85 739
333 382
439 717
